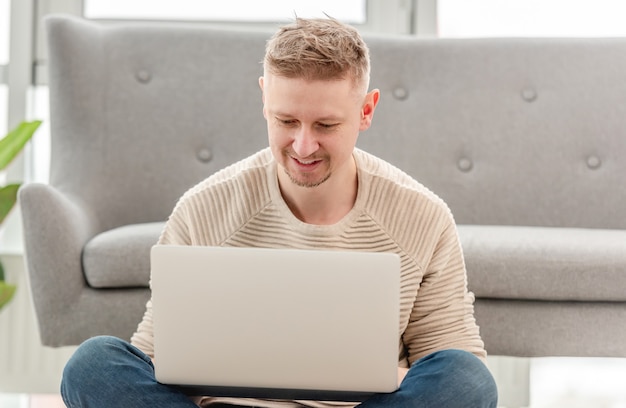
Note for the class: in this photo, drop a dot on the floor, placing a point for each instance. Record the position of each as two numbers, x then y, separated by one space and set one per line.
578 383
32 401
54 401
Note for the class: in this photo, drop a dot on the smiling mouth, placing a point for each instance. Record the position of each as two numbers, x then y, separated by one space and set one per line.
306 163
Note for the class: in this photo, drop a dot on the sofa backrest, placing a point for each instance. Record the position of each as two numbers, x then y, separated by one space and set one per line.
506 131
140 113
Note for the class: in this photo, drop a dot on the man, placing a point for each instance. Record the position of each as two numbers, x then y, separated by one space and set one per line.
313 186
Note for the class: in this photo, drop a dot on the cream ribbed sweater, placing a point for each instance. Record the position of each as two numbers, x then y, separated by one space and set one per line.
242 206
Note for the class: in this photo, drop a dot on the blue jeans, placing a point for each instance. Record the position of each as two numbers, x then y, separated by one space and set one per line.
109 372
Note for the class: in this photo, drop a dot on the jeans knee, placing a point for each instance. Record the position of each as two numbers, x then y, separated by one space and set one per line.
447 378
473 377
89 357
99 344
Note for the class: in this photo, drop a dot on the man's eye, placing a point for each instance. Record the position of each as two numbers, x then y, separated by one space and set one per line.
287 122
327 126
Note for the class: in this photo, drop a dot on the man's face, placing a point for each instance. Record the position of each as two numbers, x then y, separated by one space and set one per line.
313 126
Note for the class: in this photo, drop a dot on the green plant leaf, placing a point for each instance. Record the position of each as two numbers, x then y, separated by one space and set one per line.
6 293
1 271
13 143
8 197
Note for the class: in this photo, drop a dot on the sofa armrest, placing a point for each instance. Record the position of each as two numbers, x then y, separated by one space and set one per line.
56 229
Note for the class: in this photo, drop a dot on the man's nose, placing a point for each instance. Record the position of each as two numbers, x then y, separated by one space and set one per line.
304 142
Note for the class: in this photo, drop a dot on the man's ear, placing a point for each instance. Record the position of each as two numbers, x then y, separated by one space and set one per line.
367 111
261 84
261 79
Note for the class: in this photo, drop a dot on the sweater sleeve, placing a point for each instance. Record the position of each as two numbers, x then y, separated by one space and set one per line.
176 232
443 312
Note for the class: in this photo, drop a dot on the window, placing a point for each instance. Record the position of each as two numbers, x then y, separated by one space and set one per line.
4 94
353 11
39 150
4 60
531 18
5 13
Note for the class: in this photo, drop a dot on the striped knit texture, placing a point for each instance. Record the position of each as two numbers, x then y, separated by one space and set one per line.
241 206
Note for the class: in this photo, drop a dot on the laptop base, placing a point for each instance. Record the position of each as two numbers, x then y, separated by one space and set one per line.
273 393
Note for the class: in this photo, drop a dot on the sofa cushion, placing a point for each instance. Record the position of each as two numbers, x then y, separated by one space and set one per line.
503 262
121 257
538 263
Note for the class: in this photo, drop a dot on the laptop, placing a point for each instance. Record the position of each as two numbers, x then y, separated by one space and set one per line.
275 323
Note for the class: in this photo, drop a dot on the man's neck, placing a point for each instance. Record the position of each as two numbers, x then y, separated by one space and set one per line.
325 204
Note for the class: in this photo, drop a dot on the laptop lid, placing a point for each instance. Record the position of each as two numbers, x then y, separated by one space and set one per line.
275 323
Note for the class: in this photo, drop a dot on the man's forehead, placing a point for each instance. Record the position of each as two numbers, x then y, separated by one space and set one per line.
287 91
347 81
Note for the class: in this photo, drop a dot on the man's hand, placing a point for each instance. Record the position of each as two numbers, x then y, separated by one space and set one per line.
401 374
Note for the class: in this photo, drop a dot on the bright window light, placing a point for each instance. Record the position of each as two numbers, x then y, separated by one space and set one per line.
4 96
39 108
5 13
531 18
352 11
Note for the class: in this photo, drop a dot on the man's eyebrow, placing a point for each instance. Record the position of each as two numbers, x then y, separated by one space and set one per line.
328 118
281 114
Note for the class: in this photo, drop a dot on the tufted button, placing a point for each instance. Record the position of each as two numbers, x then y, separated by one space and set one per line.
593 162
529 94
204 155
464 164
143 76
400 93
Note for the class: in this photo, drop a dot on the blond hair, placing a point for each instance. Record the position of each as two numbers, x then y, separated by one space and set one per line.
318 49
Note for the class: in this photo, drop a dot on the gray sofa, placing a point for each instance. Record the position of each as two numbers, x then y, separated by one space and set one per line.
525 139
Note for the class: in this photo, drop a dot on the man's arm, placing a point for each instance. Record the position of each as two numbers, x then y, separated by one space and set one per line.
175 232
401 374
443 312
